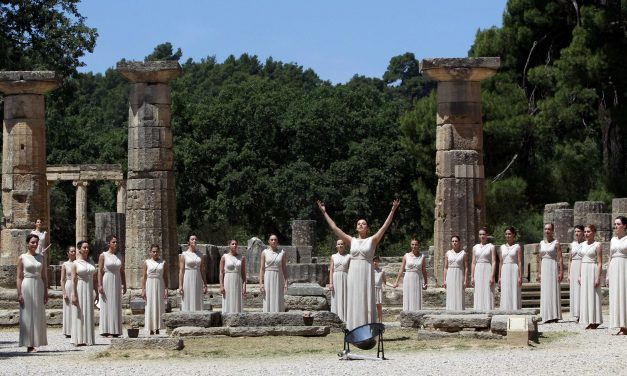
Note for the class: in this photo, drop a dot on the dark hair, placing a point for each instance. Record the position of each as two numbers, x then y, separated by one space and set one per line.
414 239
70 247
484 229
155 246
363 219
273 234
30 236
231 241
511 229
376 258
80 243
592 227
551 224
622 219
190 236
110 237
580 227
456 236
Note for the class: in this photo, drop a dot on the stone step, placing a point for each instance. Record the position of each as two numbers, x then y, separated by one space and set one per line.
252 331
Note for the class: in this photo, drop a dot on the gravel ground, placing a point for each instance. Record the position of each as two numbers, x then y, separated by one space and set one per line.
586 352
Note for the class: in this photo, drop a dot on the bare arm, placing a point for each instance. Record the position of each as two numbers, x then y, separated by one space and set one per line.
181 273
44 278
284 267
262 271
493 264
401 271
222 291
19 279
607 276
597 280
465 270
203 272
123 275
336 230
74 284
424 274
519 254
243 270
500 268
445 269
65 297
376 238
474 264
331 271
144 279
560 261
100 273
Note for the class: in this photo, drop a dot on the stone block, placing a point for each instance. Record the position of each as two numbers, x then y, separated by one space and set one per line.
29 106
305 289
499 324
432 334
563 224
455 323
446 162
459 91
203 319
602 221
28 82
8 276
549 210
149 137
303 232
153 93
150 159
155 343
619 207
160 71
303 331
459 137
263 319
137 305
313 273
13 244
306 303
328 319
582 208
459 113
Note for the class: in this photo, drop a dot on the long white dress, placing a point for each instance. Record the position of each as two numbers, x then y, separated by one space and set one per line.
67 302
111 300
340 276
42 241
510 290
550 302
155 303
83 315
412 282
573 274
232 301
484 293
590 298
455 281
273 281
379 275
617 275
192 283
33 312
361 308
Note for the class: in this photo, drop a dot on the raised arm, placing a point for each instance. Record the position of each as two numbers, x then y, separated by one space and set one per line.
376 238
336 230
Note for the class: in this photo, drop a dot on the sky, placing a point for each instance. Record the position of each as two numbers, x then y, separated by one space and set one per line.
335 38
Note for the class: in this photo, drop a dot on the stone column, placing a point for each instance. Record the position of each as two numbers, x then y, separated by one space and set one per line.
151 197
303 232
121 196
460 196
81 210
109 224
24 183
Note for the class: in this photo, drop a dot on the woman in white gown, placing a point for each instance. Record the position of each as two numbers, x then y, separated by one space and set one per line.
550 274
192 277
455 275
66 280
111 286
510 275
616 278
338 273
573 271
232 279
361 307
84 295
273 276
483 271
155 290
414 272
590 280
32 294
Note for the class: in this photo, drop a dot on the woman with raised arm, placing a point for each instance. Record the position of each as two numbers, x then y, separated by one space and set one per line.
32 294
155 290
483 271
192 277
232 279
616 278
111 286
66 280
590 280
414 272
574 258
510 277
84 295
455 275
338 274
550 275
273 276
361 307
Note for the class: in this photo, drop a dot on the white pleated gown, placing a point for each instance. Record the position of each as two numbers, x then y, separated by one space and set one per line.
67 303
455 281
361 308
232 301
191 301
273 281
550 301
83 322
339 299
33 312
412 282
617 276
590 296
111 300
573 274
483 292
379 275
510 290
155 299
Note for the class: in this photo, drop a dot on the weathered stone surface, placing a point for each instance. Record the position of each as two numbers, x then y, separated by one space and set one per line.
203 319
459 91
433 334
498 325
28 82
603 223
455 323
149 71
257 331
11 317
459 136
110 224
459 113
619 207
563 222
303 232
446 161
582 208
549 210
460 69
253 256
155 343
305 289
328 319
306 303
8 275
316 273
263 319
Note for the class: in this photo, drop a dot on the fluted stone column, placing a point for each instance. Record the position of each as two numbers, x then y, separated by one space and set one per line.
460 196
121 196
150 189
81 210
24 183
